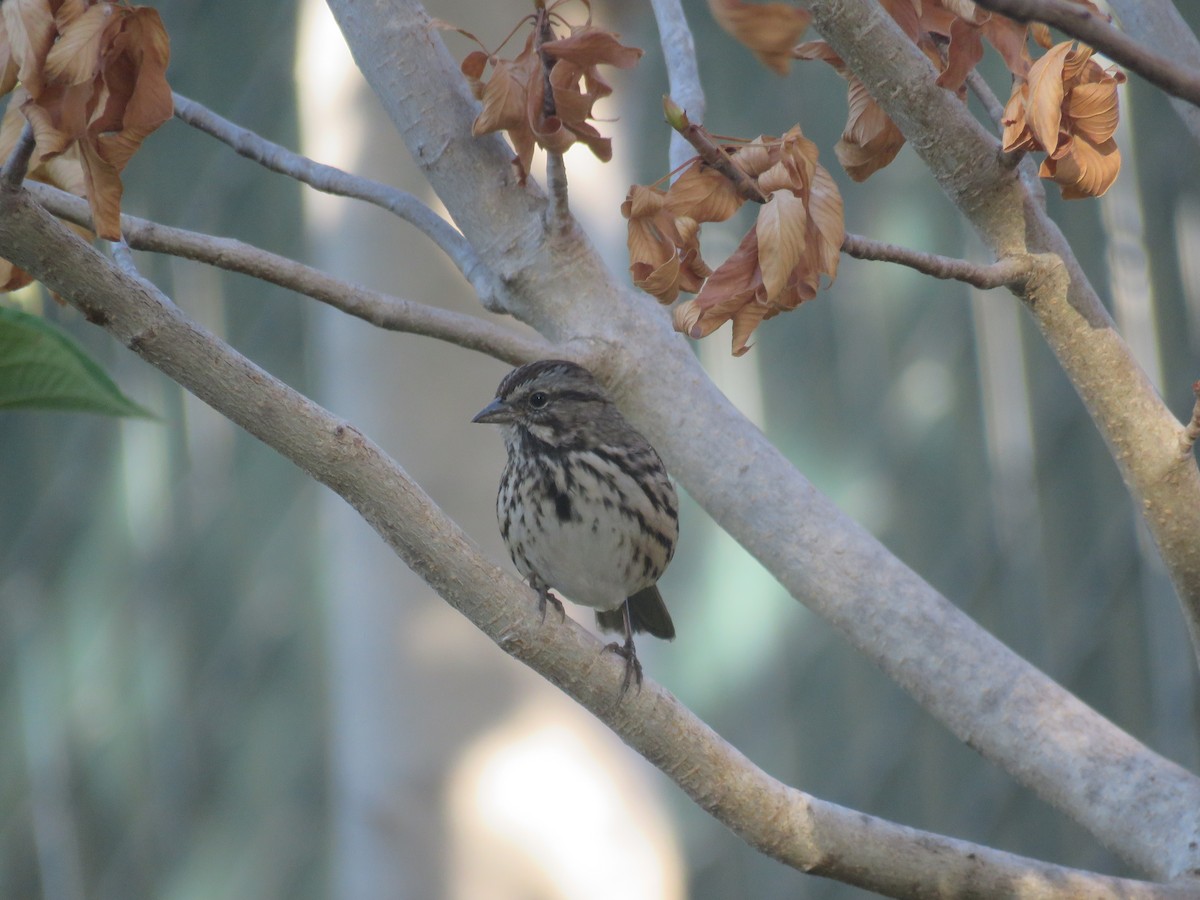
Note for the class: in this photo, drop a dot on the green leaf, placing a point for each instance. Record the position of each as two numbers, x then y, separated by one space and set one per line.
43 368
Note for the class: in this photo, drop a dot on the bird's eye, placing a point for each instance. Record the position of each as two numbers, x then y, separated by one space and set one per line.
538 399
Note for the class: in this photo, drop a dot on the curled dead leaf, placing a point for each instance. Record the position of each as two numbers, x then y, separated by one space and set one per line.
63 171
1068 108
769 30
515 98
93 77
779 263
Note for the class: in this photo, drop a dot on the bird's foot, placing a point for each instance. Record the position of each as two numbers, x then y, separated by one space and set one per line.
546 598
633 668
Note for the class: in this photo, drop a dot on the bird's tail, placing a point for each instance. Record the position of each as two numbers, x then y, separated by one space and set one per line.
647 612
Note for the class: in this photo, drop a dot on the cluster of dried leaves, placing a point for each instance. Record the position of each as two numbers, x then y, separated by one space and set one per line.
1064 104
545 94
1067 107
90 77
796 238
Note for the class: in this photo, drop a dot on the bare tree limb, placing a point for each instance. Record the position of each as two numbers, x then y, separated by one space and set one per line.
1013 271
1082 24
1157 23
1003 707
331 180
381 310
793 827
683 73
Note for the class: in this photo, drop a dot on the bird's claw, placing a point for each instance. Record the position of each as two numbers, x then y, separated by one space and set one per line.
633 668
546 598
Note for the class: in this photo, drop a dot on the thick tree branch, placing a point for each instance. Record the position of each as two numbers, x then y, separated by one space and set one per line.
381 310
331 180
1006 709
1082 24
799 830
1141 432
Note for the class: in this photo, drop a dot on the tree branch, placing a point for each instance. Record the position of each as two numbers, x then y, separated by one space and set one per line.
711 152
556 169
331 180
683 73
1192 430
1013 271
13 171
799 830
381 310
1082 24
1141 433
1007 710
1157 23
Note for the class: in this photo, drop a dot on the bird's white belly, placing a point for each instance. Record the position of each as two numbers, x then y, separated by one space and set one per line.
587 558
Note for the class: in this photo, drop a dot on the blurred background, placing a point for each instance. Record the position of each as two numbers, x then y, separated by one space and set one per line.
215 681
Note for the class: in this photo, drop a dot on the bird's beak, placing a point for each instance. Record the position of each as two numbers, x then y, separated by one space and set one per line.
497 412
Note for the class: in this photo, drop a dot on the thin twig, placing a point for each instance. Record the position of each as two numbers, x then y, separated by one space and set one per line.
556 179
17 164
1082 24
331 180
683 72
991 103
381 310
1011 271
556 170
711 152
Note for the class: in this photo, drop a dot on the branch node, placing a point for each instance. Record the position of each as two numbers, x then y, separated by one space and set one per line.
1191 431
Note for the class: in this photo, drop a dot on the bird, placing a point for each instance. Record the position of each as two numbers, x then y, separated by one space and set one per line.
585 505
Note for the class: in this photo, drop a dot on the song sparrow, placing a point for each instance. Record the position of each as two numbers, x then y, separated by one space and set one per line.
585 505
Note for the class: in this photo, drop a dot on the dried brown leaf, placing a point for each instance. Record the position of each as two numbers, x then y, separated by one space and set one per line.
703 194
871 139
769 30
31 33
589 46
781 230
75 56
826 213
1043 104
1084 169
1093 110
963 54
